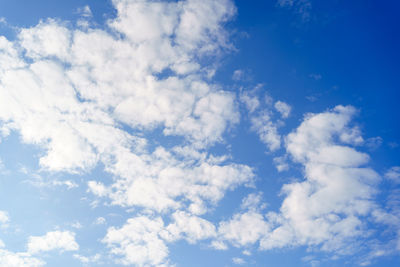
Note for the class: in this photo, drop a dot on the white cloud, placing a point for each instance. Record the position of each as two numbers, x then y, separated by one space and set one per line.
281 164
251 102
190 227
267 131
138 242
238 75
393 174
328 207
160 179
100 220
51 104
374 143
77 225
238 261
4 217
46 39
88 259
73 92
219 245
57 240
10 259
243 228
253 202
283 108
85 11
79 87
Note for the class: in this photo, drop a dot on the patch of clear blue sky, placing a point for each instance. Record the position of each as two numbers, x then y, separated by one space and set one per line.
352 45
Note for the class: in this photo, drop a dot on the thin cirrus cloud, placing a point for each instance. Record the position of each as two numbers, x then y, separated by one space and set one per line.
90 96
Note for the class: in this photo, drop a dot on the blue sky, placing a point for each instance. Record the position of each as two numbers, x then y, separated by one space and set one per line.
199 133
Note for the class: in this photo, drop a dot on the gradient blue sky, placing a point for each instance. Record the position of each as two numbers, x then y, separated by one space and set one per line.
199 133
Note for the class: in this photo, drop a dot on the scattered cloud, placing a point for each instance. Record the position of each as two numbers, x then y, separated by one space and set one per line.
238 261
138 242
88 259
328 207
393 174
267 131
300 7
281 163
283 108
238 75
315 76
10 259
243 229
4 219
150 71
100 220
374 143
57 240
85 11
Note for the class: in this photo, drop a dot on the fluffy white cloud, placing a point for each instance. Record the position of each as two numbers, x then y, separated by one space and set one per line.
263 116
190 227
328 207
138 242
57 240
10 259
160 179
244 228
52 103
75 92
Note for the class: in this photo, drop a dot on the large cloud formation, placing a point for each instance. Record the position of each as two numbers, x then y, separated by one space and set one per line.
87 95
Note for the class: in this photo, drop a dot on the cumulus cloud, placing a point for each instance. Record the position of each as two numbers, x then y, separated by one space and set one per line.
10 259
148 71
138 242
243 229
57 240
328 207
87 96
190 227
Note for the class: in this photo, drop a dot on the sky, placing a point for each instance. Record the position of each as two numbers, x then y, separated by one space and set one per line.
199 133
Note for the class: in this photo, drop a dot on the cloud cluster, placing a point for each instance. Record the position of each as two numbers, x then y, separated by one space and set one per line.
330 208
10 259
87 95
57 240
